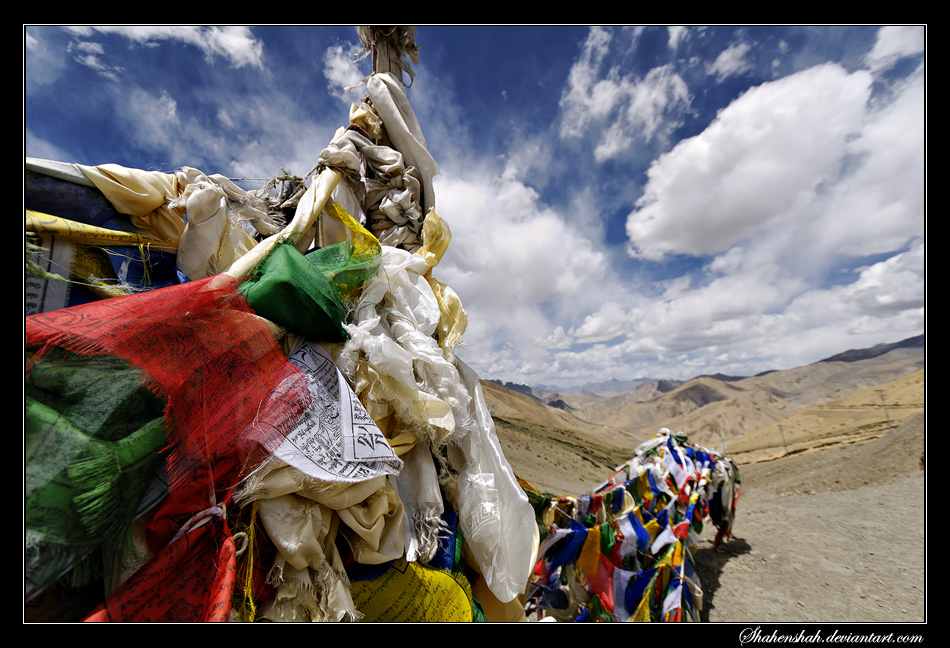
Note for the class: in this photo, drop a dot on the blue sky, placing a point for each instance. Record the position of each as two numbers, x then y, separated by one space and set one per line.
625 202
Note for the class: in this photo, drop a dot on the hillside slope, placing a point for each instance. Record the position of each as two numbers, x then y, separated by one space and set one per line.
862 414
713 411
843 399
832 521
550 448
832 533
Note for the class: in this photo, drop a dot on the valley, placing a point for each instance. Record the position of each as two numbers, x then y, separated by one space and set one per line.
831 525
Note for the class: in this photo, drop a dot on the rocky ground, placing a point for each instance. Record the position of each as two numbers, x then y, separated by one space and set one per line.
833 532
833 535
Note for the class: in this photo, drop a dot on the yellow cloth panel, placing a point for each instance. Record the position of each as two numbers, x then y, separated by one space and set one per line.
88 234
409 592
141 195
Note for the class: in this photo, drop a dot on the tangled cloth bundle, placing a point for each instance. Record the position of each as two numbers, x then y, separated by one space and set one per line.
208 351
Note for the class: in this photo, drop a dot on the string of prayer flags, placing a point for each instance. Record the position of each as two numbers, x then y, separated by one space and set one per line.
624 551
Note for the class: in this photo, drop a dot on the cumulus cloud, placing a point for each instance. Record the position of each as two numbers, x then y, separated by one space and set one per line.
609 322
799 206
557 340
893 43
519 264
587 96
878 205
744 323
888 289
763 159
617 108
790 181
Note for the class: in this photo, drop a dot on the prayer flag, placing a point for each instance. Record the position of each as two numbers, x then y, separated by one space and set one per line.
633 530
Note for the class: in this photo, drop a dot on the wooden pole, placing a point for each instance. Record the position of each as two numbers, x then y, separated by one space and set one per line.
388 45
886 414
393 48
385 59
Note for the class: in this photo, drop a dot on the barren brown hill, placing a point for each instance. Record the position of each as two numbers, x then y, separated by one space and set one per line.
842 399
550 448
863 414
831 525
712 410
835 531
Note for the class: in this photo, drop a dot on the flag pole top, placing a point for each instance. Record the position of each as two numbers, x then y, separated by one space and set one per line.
393 48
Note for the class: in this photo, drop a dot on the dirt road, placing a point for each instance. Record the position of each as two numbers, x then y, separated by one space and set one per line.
837 535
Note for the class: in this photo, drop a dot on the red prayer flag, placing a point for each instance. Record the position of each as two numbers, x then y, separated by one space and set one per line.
189 581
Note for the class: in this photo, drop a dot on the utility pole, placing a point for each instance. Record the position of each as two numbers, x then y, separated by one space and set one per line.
782 430
886 414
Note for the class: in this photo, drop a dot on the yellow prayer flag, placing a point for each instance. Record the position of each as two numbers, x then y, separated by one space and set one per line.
589 560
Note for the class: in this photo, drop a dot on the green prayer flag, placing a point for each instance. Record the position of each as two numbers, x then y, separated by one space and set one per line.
305 292
93 433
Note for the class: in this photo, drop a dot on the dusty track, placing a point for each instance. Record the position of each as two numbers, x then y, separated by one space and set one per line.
836 534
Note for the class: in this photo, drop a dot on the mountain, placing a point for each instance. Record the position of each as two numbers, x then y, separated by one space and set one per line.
878 350
858 416
715 408
551 448
521 389
610 387
576 444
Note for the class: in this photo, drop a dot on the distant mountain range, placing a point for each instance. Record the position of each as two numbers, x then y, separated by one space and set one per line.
846 397
877 350
614 387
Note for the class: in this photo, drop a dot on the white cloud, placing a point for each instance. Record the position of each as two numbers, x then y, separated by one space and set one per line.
557 340
519 265
92 55
263 132
42 64
42 149
893 43
790 178
731 61
890 287
225 118
341 70
879 205
885 303
742 324
233 43
677 34
882 291
619 108
152 117
788 182
608 323
587 97
762 160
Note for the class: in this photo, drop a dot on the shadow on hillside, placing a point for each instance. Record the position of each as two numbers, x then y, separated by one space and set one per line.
710 563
